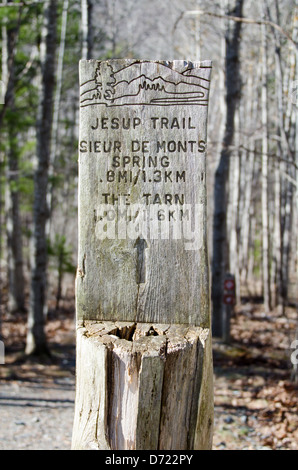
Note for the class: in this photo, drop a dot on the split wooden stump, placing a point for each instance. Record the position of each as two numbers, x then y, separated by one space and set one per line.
143 386
144 359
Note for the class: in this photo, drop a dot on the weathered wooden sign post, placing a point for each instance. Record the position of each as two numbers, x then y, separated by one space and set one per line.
144 362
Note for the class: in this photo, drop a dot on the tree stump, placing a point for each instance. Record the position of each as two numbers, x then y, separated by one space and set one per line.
143 387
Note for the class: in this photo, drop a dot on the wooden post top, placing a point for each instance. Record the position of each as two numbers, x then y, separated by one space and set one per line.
142 192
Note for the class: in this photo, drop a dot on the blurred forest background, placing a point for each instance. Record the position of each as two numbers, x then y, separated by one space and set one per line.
252 165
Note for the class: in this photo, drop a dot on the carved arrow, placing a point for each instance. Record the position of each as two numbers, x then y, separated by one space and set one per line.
141 246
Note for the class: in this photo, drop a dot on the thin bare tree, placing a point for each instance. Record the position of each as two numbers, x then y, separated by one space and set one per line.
220 245
36 338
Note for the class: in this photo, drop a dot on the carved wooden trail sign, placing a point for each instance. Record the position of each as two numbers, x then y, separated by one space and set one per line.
143 176
142 289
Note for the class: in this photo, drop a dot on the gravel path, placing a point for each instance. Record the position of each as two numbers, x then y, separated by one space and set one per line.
37 416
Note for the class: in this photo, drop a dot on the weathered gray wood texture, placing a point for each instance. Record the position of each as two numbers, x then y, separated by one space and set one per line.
143 386
144 360
142 145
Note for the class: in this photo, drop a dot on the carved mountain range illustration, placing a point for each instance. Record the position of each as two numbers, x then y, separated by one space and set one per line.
140 84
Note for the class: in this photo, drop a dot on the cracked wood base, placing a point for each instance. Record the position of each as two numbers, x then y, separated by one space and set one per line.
143 386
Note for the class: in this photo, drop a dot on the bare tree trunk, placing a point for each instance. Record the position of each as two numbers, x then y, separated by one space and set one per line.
281 249
234 197
3 85
251 258
250 112
16 282
295 37
90 35
276 242
245 225
36 339
8 60
57 99
286 230
289 141
296 123
233 85
16 294
264 179
276 226
87 29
